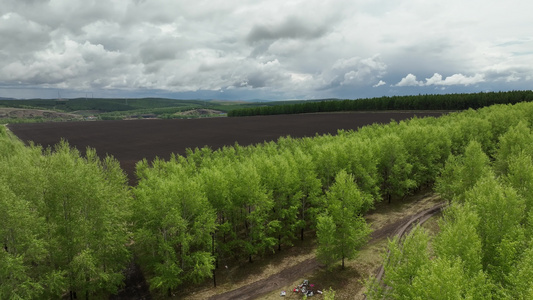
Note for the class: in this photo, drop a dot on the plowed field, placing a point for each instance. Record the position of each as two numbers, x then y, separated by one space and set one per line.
132 140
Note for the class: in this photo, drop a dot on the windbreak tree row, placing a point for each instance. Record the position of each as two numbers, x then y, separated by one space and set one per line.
485 244
418 102
263 198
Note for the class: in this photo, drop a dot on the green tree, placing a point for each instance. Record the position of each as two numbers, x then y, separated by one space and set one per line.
428 147
502 235
310 189
521 276
56 206
515 141
86 207
344 205
405 262
458 237
443 278
326 238
252 208
520 177
173 224
22 246
461 173
279 176
393 166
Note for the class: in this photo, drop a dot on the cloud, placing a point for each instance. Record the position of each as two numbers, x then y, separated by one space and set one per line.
354 71
409 80
380 83
455 79
290 28
437 79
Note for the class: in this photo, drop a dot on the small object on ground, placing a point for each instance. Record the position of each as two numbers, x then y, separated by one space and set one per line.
283 293
319 291
305 288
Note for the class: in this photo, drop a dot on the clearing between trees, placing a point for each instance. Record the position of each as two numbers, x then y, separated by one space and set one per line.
282 271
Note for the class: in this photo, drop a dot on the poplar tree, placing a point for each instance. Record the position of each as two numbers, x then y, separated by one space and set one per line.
502 235
86 207
462 172
344 208
393 166
173 224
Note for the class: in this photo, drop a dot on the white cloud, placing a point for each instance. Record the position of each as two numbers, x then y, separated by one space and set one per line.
409 80
380 83
436 79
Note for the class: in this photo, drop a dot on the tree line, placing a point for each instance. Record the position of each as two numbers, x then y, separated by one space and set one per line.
72 224
484 248
418 102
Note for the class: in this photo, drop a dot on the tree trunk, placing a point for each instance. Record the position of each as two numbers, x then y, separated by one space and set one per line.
214 278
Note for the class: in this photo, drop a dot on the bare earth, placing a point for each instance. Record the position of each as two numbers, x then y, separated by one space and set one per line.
133 140
17 113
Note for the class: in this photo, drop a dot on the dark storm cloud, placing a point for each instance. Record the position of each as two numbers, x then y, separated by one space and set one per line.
291 28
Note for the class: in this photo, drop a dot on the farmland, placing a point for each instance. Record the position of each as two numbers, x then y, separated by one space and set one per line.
131 141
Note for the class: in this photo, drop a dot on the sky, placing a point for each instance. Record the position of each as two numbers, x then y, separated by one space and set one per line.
269 50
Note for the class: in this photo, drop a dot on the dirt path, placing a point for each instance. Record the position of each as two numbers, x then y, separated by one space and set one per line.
276 281
271 283
403 230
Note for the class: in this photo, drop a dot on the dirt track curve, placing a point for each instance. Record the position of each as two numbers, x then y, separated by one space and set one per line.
267 285
419 218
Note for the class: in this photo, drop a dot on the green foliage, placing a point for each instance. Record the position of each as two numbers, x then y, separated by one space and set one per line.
516 140
483 248
520 177
394 167
329 294
461 173
326 239
521 276
173 224
444 279
428 147
405 262
63 222
458 238
502 237
420 102
342 230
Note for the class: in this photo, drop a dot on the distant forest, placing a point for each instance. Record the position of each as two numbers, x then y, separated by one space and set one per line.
419 102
